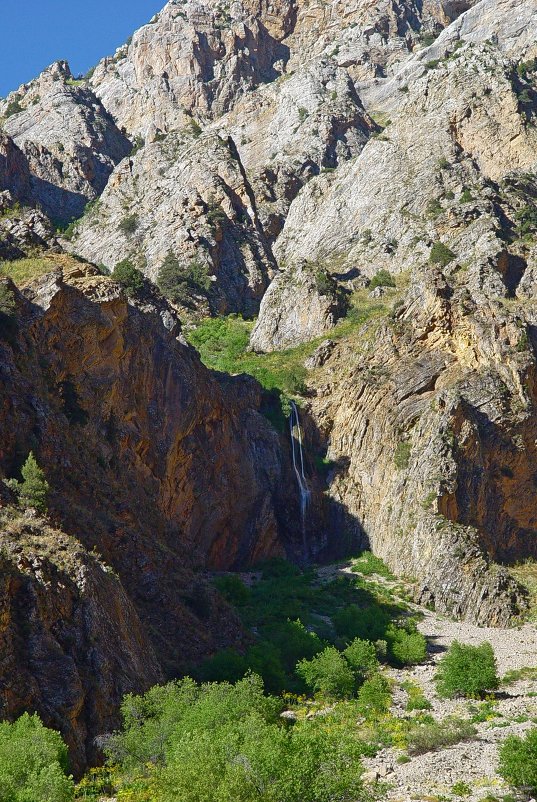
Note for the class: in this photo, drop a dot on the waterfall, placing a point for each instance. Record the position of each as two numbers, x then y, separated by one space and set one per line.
298 465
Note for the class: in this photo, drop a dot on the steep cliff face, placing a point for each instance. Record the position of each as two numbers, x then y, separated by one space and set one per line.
432 411
285 153
156 463
71 641
193 58
403 191
187 195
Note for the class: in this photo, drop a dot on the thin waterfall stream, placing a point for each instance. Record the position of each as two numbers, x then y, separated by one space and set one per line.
298 465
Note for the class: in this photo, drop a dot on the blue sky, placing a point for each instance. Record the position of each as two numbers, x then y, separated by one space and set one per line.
34 33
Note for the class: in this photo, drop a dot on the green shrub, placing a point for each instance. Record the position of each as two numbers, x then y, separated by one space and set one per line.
8 312
429 735
381 279
138 144
518 761
14 107
401 457
406 646
293 641
467 671
374 697
233 589
8 305
225 666
416 698
265 660
179 281
527 220
33 763
326 284
130 278
356 622
441 254
362 658
466 196
217 742
129 224
461 789
328 674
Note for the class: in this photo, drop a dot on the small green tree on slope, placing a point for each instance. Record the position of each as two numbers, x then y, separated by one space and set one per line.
34 489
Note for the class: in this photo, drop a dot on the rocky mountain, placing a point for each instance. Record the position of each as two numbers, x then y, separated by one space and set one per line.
360 178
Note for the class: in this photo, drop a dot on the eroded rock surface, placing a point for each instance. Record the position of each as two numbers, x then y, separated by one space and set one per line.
69 141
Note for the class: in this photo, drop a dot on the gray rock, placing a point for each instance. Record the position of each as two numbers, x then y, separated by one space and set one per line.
296 308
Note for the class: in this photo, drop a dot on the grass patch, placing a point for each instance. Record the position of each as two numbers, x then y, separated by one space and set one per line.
367 564
528 672
21 271
223 342
526 574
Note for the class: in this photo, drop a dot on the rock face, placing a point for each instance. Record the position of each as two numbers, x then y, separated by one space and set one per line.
155 463
194 58
433 411
196 187
300 304
70 142
72 643
402 193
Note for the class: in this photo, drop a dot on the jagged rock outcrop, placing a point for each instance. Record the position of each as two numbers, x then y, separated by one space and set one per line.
193 58
14 172
69 141
71 642
301 304
403 192
293 128
189 195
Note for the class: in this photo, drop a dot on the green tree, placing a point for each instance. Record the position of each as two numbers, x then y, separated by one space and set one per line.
178 281
382 278
328 674
518 761
374 697
130 278
361 622
362 657
294 641
406 646
467 671
33 763
233 589
228 742
34 488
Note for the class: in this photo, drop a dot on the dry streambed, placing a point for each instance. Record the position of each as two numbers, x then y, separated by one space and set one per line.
466 769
